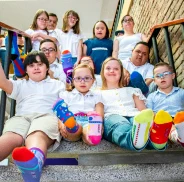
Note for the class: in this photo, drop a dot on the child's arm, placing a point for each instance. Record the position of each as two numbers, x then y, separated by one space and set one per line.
148 81
5 84
139 104
42 36
144 38
99 108
84 50
115 49
79 53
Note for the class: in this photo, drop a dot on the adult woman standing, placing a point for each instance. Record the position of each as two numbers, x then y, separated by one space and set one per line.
123 45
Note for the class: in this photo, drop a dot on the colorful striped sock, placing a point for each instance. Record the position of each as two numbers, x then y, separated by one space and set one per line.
141 126
160 129
29 162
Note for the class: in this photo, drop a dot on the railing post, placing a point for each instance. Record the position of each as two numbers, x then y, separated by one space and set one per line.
169 52
6 71
182 26
155 49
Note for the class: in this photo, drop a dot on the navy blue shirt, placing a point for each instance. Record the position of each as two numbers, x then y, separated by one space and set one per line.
99 50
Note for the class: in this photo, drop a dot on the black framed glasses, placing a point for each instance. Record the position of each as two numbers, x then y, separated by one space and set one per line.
43 19
85 79
128 20
44 50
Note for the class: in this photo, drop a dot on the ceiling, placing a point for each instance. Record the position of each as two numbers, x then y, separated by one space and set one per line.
19 14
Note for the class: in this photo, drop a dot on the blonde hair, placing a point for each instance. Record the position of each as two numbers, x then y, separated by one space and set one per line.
70 88
104 82
76 28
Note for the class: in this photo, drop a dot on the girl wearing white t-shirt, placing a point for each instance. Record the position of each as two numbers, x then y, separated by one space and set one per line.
38 29
71 38
85 105
127 122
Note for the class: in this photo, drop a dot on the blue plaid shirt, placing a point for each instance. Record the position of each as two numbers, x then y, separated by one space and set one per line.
172 102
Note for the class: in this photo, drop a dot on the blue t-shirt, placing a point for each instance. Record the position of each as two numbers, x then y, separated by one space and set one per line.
172 102
99 50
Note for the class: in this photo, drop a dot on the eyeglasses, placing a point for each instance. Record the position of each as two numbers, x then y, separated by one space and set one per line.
86 61
72 17
128 20
44 50
43 20
163 75
85 79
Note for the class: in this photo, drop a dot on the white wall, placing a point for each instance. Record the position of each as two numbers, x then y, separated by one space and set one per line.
19 14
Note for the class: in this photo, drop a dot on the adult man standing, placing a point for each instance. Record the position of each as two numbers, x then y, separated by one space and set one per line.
141 72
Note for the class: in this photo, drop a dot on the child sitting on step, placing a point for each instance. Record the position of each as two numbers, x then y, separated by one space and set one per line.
34 123
83 104
169 98
127 122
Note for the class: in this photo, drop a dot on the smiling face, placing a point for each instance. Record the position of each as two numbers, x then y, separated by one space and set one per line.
163 77
100 30
83 79
37 71
72 20
112 73
52 23
49 50
128 23
140 55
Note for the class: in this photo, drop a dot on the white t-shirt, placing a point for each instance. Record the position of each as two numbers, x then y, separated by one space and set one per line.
120 101
57 68
35 97
126 45
69 41
145 70
36 43
77 102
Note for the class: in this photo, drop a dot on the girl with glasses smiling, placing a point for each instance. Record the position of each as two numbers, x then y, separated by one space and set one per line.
123 45
38 29
86 106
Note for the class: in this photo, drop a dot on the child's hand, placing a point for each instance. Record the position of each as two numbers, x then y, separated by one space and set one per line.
62 129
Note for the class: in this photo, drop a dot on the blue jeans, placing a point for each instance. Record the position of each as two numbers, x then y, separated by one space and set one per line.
118 130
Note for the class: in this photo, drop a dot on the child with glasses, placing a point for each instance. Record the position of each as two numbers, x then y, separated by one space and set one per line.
127 122
34 124
85 105
123 45
100 46
38 29
88 60
70 37
168 98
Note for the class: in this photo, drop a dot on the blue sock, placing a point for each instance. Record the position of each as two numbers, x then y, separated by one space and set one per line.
137 81
29 162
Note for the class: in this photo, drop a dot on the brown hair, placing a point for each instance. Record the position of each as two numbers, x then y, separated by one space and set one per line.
76 28
121 80
107 30
34 25
54 15
122 20
163 64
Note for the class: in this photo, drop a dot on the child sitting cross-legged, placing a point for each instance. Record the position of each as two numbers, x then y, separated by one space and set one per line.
127 122
168 98
81 110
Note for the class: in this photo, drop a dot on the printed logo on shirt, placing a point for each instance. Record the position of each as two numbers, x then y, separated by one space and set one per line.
99 48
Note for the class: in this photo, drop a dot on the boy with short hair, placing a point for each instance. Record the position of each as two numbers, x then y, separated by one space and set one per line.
168 98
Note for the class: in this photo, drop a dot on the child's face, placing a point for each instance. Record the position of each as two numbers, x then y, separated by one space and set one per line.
163 77
37 71
49 50
100 30
42 21
72 20
83 80
128 23
112 72
88 61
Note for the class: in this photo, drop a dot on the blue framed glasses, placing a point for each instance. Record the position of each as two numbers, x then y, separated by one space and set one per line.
85 79
163 75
